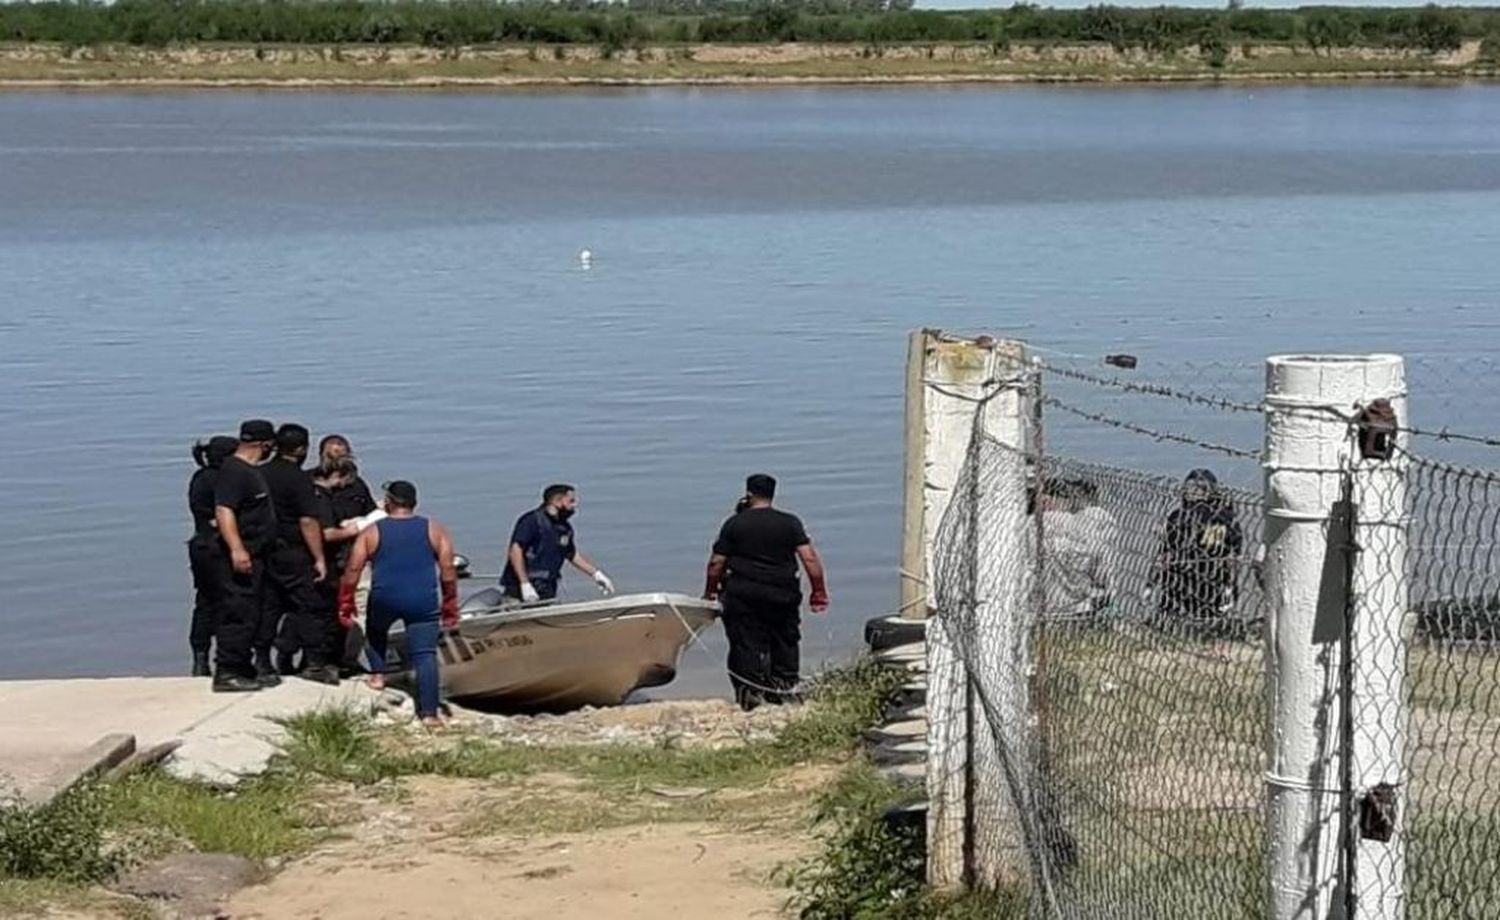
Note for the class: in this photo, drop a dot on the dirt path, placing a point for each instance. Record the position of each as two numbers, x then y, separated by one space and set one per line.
665 870
552 846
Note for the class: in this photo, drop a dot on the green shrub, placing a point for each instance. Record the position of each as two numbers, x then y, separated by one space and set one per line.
870 23
63 840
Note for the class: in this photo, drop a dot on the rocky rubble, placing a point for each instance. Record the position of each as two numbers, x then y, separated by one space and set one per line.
685 723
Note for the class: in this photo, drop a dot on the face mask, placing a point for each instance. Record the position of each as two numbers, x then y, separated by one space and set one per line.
742 504
562 514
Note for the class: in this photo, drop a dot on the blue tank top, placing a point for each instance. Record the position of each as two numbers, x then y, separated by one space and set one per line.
405 579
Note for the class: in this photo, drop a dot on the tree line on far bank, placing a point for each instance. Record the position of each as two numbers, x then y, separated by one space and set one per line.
636 23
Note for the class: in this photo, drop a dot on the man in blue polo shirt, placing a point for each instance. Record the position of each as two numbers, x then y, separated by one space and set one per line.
539 545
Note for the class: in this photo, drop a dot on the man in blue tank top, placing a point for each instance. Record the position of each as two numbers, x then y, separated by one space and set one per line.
412 557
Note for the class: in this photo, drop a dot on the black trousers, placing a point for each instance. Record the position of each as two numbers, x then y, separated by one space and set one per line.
765 660
319 633
242 601
297 615
203 561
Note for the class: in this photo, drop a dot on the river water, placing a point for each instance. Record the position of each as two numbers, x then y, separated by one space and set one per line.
403 268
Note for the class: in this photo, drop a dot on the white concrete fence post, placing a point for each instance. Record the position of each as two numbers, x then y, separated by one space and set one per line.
1310 450
962 377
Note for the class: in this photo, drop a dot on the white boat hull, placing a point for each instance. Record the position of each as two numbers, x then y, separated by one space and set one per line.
554 657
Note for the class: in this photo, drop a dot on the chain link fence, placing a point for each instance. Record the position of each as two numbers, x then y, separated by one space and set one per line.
1118 715
1452 825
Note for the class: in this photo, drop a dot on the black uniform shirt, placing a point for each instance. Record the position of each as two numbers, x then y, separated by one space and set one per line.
242 489
292 494
761 546
336 553
201 500
351 501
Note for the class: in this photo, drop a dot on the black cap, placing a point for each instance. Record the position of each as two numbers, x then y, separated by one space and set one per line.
401 492
220 447
257 429
760 485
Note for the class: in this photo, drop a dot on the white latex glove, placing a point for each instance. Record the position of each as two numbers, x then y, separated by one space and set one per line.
602 580
367 521
528 593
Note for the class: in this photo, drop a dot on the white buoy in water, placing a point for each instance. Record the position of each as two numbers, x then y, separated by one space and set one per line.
585 258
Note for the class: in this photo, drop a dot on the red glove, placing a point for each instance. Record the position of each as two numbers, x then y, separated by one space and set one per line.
817 601
348 610
449 609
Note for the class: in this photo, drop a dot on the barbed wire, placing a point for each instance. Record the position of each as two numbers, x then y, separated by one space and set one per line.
1444 434
1154 434
1155 389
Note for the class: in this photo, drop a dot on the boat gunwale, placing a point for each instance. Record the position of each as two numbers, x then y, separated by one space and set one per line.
608 609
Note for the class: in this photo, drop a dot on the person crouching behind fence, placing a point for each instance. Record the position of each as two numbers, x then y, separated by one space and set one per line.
1199 559
753 572
412 556
1079 540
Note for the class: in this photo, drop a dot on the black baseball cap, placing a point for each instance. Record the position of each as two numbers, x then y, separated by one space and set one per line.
760 485
257 429
402 492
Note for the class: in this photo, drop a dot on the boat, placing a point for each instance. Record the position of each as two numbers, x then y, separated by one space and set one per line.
553 657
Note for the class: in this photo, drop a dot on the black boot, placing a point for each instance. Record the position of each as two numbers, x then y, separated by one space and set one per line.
286 663
200 665
321 673
228 682
265 672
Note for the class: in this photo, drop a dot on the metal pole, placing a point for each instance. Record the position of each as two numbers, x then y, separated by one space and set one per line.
1309 450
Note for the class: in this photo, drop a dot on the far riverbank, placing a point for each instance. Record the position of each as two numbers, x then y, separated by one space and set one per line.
519 66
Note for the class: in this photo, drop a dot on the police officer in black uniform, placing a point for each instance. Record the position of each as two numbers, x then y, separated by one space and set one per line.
205 552
295 565
247 528
1199 558
330 478
352 498
753 573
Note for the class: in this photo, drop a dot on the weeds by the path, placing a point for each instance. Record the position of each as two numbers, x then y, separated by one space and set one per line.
342 745
872 869
51 855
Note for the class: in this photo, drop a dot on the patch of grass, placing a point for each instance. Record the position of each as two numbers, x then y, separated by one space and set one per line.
864 869
271 815
44 897
346 745
333 742
62 840
1455 679
843 702
1454 868
869 870
544 811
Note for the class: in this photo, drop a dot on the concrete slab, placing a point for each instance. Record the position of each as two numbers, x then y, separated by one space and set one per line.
224 735
71 767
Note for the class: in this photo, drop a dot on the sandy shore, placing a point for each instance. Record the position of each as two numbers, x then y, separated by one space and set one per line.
24 66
